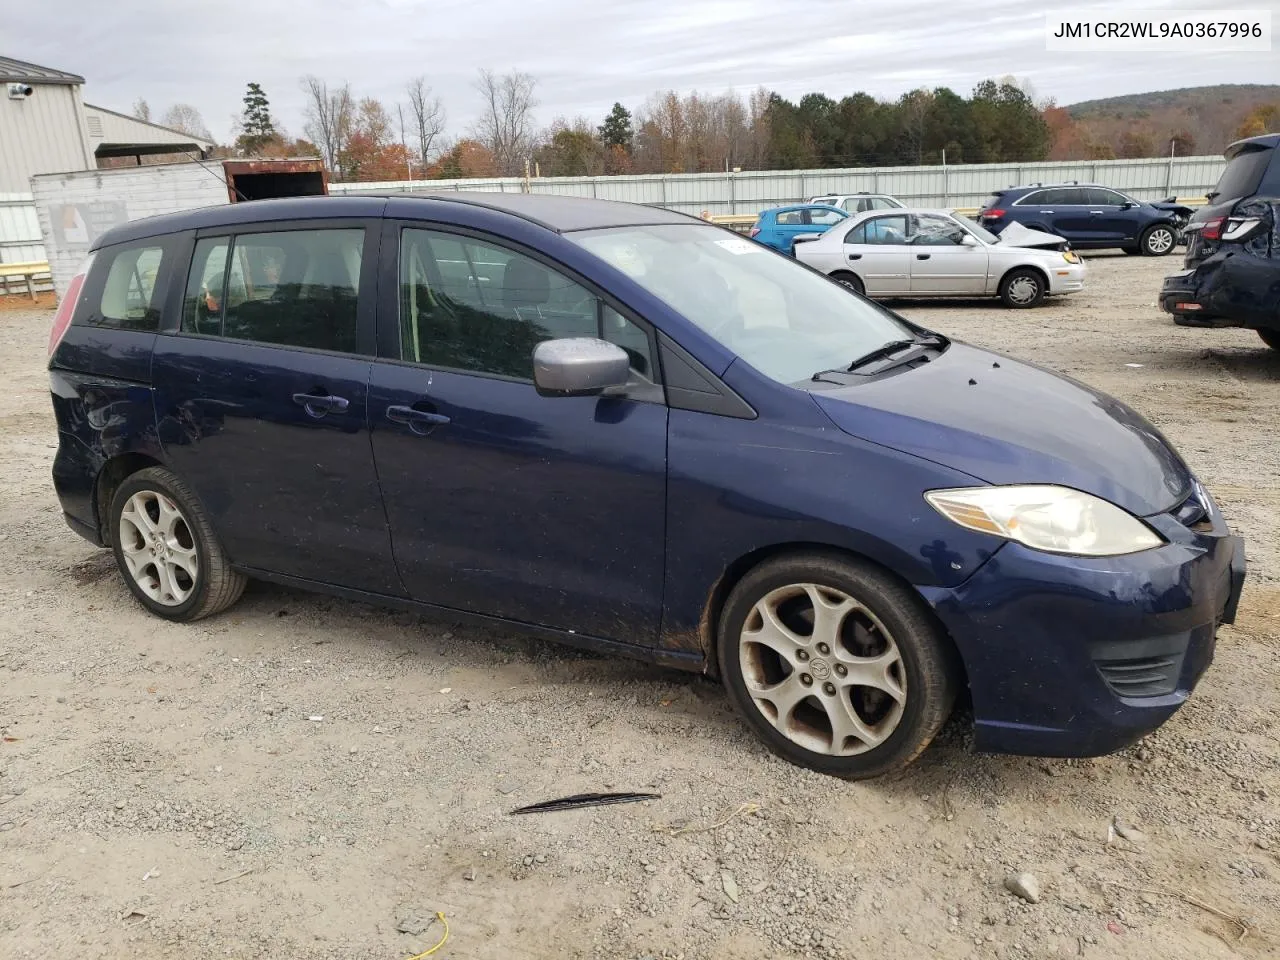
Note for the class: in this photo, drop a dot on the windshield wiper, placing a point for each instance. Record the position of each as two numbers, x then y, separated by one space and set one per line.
886 350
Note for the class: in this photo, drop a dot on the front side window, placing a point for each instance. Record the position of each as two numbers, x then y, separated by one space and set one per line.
824 218
471 305
783 319
130 300
884 203
1102 197
935 231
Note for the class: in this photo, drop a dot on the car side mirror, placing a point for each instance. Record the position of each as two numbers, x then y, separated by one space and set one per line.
578 367
1128 205
968 240
806 237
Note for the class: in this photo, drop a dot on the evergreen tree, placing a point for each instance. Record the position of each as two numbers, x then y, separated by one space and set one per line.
616 130
257 127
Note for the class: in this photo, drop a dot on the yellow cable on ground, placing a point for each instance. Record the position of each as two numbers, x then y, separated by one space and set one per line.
427 953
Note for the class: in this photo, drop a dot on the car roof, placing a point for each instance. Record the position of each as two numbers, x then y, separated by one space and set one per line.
899 212
1268 141
556 213
802 206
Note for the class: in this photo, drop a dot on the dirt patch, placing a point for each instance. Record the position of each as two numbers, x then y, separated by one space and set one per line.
300 776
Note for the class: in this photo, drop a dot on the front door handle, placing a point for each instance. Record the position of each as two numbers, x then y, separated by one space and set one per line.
318 404
855 256
1046 211
1095 213
420 422
923 256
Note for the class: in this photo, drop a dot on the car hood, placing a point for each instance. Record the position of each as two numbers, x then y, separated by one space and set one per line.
1003 422
1016 235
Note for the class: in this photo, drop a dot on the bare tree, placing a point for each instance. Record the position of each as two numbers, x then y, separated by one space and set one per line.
142 110
184 117
506 121
428 117
330 115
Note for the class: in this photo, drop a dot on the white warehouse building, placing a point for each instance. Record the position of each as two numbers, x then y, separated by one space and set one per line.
46 127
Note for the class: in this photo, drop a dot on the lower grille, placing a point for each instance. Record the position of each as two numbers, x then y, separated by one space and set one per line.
1142 668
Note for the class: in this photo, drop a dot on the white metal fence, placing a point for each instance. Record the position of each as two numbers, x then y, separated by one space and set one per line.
967 185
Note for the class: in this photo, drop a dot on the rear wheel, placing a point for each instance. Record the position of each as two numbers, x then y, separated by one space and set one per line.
835 665
1022 288
1271 338
1159 240
166 548
850 280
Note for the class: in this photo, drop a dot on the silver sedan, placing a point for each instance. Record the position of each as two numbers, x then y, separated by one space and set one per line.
939 253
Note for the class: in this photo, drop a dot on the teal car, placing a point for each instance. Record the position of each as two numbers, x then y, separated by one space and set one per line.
778 228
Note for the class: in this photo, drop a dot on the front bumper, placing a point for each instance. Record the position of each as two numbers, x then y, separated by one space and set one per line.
1066 278
1076 656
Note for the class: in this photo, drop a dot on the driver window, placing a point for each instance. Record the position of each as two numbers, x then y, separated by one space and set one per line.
471 305
886 230
934 231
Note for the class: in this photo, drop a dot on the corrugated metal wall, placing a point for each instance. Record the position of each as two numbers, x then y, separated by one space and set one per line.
748 193
42 133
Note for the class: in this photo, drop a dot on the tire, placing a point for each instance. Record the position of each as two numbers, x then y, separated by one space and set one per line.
850 280
1271 338
1158 240
882 618
1022 288
154 509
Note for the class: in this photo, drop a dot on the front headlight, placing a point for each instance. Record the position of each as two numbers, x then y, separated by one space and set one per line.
1044 517
1071 256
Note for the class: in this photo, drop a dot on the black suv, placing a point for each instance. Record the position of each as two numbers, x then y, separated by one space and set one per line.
1090 216
1233 248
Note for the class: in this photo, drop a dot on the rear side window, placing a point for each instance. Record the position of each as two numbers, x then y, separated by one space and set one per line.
790 218
884 203
295 288
131 295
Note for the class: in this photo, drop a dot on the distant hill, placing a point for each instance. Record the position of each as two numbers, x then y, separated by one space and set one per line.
1203 119
1243 96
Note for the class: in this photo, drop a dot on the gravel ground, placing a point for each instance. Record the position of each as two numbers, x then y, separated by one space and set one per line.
301 776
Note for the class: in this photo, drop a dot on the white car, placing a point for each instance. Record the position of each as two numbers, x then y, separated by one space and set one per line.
860 202
939 253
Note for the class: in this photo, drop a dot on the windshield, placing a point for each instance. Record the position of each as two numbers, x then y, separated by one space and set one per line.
977 229
784 319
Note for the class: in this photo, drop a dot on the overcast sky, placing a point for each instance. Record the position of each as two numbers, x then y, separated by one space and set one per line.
585 53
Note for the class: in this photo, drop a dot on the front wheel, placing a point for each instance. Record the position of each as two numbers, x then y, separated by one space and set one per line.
166 548
1022 288
1271 338
1158 241
850 280
835 665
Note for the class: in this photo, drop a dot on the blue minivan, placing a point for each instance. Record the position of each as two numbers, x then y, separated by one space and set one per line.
642 434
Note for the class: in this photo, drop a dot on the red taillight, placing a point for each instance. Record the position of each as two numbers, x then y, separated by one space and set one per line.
995 213
1212 229
67 307
755 232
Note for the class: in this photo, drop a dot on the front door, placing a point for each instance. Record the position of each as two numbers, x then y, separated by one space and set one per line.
261 401
942 262
877 251
545 510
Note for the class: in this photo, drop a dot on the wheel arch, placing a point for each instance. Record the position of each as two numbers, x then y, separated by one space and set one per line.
1026 265
113 473
709 622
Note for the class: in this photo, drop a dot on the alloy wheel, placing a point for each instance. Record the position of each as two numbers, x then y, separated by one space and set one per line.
823 670
1160 241
158 548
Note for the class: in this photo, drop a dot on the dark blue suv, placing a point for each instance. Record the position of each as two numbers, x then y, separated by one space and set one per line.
1091 217
640 433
